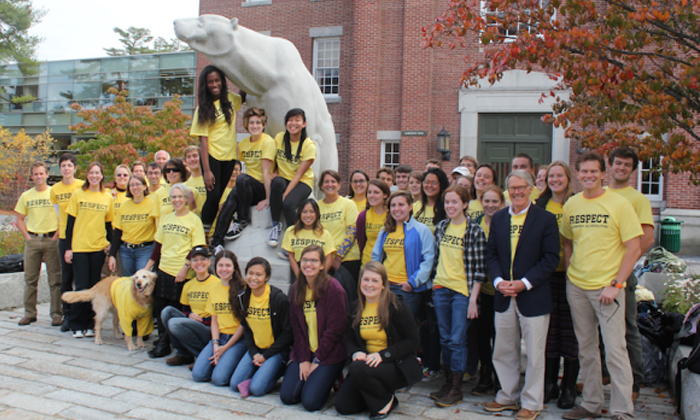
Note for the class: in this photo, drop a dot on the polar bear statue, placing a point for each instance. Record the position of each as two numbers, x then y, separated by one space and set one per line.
272 73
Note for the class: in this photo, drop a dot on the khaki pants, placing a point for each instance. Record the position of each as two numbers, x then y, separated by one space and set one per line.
588 314
510 326
36 250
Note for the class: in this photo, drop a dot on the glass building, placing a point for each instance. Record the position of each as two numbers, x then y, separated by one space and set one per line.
151 79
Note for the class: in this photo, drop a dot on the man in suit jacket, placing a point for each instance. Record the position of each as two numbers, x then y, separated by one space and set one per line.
522 252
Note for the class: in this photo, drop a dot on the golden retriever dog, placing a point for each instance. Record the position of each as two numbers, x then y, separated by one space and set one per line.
128 298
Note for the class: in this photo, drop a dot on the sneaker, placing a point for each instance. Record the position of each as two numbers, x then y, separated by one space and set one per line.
283 255
274 238
78 334
579 413
89 333
494 407
217 249
235 231
430 375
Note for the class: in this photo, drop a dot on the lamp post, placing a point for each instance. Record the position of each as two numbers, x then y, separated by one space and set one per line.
443 138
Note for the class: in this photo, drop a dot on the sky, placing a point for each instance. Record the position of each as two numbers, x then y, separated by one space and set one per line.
81 28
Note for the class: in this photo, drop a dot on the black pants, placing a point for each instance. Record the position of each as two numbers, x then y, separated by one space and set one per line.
247 192
368 388
66 274
222 171
87 267
485 330
168 295
428 331
289 206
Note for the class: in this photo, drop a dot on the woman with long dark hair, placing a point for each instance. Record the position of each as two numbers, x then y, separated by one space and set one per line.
295 180
382 341
371 221
268 335
220 357
308 230
484 176
318 317
214 122
430 210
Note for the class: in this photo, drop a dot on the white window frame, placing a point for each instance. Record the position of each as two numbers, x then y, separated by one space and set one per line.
641 183
507 37
317 68
394 152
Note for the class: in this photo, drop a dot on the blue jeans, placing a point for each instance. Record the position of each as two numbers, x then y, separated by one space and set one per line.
219 374
188 336
134 259
313 392
264 377
411 299
451 309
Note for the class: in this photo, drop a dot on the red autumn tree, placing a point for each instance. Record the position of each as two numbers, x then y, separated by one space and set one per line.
125 133
631 66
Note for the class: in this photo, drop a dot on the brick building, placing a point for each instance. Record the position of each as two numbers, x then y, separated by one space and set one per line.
389 97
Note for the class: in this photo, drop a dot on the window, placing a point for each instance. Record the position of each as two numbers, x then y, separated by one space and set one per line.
494 17
649 181
327 64
389 154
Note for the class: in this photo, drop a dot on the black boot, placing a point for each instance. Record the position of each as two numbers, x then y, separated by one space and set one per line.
454 393
162 345
568 384
485 380
551 376
446 387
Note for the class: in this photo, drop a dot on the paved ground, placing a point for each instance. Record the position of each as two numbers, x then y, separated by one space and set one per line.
47 374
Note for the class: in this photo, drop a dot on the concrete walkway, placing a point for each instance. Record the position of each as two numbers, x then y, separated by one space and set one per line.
46 374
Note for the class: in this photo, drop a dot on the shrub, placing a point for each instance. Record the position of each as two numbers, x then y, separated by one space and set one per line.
682 292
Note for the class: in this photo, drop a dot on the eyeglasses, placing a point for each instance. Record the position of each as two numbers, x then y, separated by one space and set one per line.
168 170
304 261
518 189
122 175
431 183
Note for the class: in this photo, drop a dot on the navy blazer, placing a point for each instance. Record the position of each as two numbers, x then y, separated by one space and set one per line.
536 258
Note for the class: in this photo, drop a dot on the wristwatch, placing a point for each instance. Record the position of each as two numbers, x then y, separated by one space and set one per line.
616 284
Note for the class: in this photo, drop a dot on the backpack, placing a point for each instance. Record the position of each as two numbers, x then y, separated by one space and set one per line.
692 362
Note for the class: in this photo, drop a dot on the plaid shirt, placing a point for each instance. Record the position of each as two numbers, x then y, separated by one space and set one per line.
473 255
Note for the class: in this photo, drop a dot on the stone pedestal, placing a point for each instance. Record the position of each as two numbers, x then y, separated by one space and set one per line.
253 243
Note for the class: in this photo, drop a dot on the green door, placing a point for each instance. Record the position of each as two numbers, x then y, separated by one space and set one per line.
502 136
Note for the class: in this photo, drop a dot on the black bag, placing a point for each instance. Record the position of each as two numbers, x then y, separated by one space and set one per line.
13 263
692 362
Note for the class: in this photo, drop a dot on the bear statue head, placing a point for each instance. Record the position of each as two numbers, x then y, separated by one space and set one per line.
210 35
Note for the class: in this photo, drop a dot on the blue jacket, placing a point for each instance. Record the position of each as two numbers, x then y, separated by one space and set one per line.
419 251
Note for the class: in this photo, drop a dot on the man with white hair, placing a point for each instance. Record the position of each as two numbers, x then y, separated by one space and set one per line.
161 157
522 252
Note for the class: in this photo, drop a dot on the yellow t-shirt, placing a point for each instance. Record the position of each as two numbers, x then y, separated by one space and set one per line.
200 196
475 209
598 227
395 261
287 168
224 196
60 194
136 221
640 203
310 317
296 242
91 211
335 218
373 224
259 320
219 305
450 268
221 135
487 286
361 205
253 153
516 228
129 310
195 294
426 217
558 211
178 235
162 205
119 197
41 216
371 331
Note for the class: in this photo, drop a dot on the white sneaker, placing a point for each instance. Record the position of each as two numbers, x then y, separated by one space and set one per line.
274 238
283 255
235 231
89 333
78 334
217 249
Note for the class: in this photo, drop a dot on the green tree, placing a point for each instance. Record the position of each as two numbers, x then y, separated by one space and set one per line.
125 133
138 41
16 45
631 66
